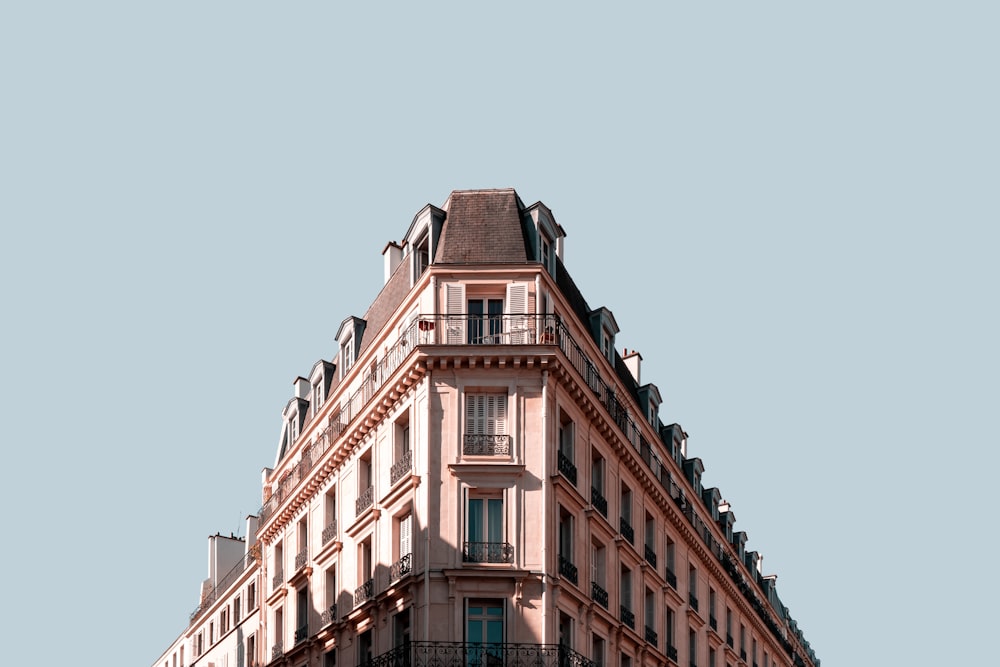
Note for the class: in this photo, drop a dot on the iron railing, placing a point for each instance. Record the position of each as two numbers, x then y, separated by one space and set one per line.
567 468
471 654
650 554
330 531
567 569
598 593
277 580
364 501
329 615
401 568
598 500
672 653
625 528
487 552
277 650
301 558
626 616
671 578
301 633
481 444
364 592
401 467
651 636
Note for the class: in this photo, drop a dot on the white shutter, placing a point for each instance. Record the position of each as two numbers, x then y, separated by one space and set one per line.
517 307
405 535
498 414
455 309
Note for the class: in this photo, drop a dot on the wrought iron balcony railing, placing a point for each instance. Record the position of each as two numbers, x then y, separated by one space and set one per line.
482 444
625 528
301 633
401 568
225 582
330 531
471 654
713 622
650 554
567 569
364 501
364 592
651 636
277 650
729 640
671 578
626 616
599 595
567 468
329 615
693 601
672 652
277 580
599 502
401 467
487 552
301 558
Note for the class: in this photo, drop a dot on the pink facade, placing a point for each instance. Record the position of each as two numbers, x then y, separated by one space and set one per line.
478 477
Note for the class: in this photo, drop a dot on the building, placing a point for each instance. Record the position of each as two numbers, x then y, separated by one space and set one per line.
479 477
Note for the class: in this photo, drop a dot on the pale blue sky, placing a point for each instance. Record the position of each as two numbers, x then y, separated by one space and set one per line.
791 209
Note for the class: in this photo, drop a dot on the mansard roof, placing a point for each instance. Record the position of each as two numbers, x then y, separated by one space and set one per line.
483 227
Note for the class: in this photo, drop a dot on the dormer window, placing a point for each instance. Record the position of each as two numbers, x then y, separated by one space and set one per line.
347 354
546 252
317 396
607 344
603 328
421 256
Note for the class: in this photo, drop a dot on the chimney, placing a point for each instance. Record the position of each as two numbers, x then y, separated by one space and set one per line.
392 255
632 361
301 387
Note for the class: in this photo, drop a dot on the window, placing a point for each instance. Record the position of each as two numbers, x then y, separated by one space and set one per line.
223 621
625 660
566 567
650 612
302 536
597 651
401 629
484 530
403 564
365 647
597 483
670 555
693 648
607 344
421 256
346 355
237 610
711 608
484 625
279 627
711 657
401 458
330 610
565 630
729 626
650 537
671 630
485 324
365 589
545 254
625 527
279 561
486 424
211 633
301 614
251 651
567 461
330 514
317 396
366 489
693 587
625 595
251 596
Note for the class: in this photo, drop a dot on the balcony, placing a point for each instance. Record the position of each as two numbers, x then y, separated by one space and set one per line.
329 615
277 580
301 633
567 569
671 578
651 636
599 502
480 444
650 554
365 500
625 528
401 467
672 653
277 650
330 531
301 558
470 654
599 595
729 640
743 654
364 592
401 568
693 601
566 468
713 622
487 552
626 616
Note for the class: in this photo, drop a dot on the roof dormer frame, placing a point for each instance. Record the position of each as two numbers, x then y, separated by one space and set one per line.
349 343
421 240
547 236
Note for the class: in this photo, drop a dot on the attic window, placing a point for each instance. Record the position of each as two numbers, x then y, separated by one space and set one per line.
347 354
421 256
607 344
545 252
317 396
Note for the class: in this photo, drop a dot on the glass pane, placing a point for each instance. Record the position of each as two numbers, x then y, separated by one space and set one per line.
495 507
475 519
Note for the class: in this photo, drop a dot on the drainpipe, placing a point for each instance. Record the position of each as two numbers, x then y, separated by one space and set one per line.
427 533
546 484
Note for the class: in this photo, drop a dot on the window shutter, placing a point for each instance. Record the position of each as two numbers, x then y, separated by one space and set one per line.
517 309
455 309
405 535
